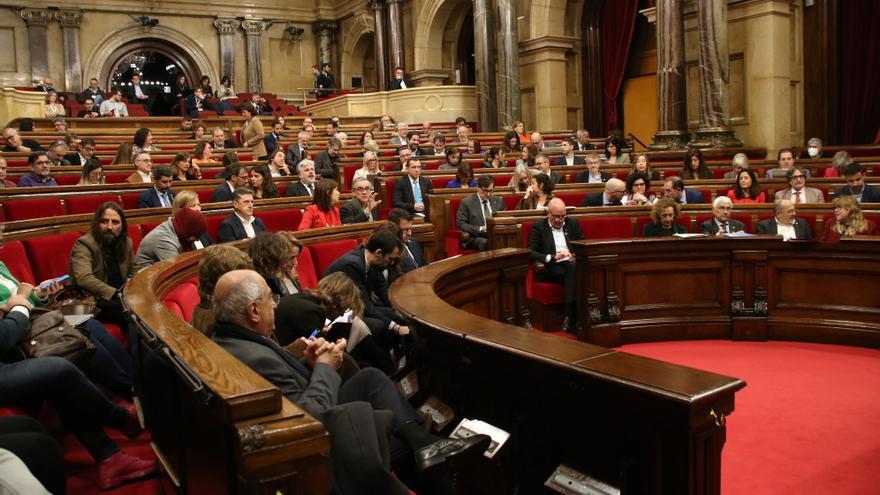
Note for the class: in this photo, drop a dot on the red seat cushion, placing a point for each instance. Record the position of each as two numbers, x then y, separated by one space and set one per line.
281 220
542 292
305 269
325 253
117 333
136 235
186 297
67 179
606 228
15 258
49 254
88 204
25 209
130 200
571 199
204 195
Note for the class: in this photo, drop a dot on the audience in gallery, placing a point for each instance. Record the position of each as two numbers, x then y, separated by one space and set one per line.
53 107
746 188
225 91
93 92
39 175
643 164
848 220
855 185
694 166
664 215
638 186
306 184
785 223
261 182
538 194
614 191
786 159
475 211
176 235
114 106
143 165
592 175
323 212
798 192
241 223
464 177
89 110
722 224
363 205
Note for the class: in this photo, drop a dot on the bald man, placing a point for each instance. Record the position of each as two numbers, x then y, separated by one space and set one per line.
353 412
611 196
549 243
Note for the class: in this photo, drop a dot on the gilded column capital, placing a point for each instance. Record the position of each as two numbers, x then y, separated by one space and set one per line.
322 25
35 17
226 25
254 27
69 18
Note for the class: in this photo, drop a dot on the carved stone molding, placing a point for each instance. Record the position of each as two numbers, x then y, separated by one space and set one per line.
322 25
254 27
613 306
226 25
35 17
69 18
252 437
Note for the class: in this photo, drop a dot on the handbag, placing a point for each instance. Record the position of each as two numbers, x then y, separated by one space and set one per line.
75 301
51 335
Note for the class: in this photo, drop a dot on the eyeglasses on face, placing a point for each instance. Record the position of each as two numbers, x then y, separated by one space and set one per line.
363 189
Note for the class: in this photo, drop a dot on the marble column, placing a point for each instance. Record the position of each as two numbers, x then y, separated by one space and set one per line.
509 98
254 29
325 30
395 35
226 29
37 21
714 65
484 65
672 129
70 21
379 44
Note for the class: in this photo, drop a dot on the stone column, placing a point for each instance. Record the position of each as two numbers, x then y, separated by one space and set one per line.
395 35
254 29
325 30
545 60
37 20
380 45
70 21
509 98
714 64
226 28
672 129
484 65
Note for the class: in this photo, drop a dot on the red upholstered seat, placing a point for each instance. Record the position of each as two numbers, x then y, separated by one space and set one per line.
130 200
67 179
214 222
305 268
511 200
204 195
136 234
281 220
453 235
88 204
15 258
114 330
325 253
147 227
541 292
606 228
116 177
571 199
501 180
25 209
185 297
210 173
49 254
282 189
439 182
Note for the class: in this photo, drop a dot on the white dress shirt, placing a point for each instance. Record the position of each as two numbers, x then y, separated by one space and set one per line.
786 231
248 225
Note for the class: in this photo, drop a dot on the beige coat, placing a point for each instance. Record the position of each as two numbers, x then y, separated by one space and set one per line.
88 267
252 137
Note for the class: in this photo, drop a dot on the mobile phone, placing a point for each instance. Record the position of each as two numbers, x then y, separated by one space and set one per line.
54 281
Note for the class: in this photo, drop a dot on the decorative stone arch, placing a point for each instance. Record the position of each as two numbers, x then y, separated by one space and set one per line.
353 48
170 41
435 40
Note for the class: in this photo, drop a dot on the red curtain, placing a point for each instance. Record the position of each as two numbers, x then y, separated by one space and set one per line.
618 24
859 71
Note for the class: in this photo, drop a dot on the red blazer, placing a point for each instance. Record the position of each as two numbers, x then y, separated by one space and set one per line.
732 195
313 218
831 235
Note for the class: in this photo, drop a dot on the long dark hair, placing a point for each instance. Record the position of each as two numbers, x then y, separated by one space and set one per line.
117 249
687 172
323 192
140 137
754 189
270 190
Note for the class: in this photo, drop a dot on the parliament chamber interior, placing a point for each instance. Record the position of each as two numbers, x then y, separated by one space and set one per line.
440 247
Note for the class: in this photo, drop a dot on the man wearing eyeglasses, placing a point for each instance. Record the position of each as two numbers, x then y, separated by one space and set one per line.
476 210
363 205
143 166
798 192
550 245
83 153
39 174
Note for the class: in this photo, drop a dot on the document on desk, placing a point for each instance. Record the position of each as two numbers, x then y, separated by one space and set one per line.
470 427
738 234
688 236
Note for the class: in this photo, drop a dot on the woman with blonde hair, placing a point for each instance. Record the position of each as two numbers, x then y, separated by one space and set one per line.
642 164
53 107
522 178
124 154
371 167
848 220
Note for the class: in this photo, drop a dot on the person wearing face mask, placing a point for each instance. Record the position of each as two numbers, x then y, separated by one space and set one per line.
814 149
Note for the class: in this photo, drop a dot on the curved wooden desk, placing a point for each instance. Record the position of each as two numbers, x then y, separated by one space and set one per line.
754 288
642 425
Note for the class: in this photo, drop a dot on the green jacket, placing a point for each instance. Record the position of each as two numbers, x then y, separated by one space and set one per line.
5 294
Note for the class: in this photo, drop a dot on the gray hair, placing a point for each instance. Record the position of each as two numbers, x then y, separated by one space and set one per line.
303 164
814 140
592 157
582 132
722 199
232 306
741 160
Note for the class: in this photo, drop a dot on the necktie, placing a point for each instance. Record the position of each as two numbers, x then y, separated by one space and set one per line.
487 213
797 197
417 192
311 192
725 228
163 199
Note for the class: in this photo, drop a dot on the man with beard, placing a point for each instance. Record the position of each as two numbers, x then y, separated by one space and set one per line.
325 162
103 260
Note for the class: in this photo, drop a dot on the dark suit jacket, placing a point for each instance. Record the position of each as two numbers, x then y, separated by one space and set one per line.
408 263
221 193
294 155
192 105
580 147
402 196
656 230
74 159
870 194
30 143
584 177
802 229
231 229
541 241
271 141
596 199
370 281
711 228
296 189
353 212
395 83
88 93
325 165
470 213
694 197
150 198
131 96
556 178
578 160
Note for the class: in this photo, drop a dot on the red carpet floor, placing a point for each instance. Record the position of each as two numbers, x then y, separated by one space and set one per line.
807 423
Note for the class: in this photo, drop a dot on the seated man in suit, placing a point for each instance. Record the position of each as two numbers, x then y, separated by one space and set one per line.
786 160
568 157
363 205
143 169
798 192
722 223
855 185
85 151
325 162
549 243
593 175
411 191
786 223
476 210
219 141
611 196
236 176
400 81
412 256
138 94
403 156
273 139
399 139
583 141
357 413
242 223
542 163
196 103
297 151
413 140
673 187
307 178
439 149
160 195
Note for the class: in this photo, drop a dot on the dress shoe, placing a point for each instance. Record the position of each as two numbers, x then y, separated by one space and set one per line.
132 427
434 458
121 467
